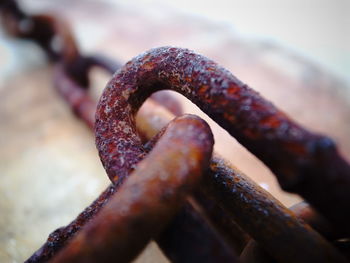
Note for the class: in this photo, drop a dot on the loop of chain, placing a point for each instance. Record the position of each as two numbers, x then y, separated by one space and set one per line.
149 186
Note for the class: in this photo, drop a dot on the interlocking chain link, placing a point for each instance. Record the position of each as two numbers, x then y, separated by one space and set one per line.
153 193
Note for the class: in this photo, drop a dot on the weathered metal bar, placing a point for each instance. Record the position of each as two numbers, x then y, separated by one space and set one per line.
303 162
186 240
309 215
277 230
307 151
213 246
223 222
254 253
148 199
60 237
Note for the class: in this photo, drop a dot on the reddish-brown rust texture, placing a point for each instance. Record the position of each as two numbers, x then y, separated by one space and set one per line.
75 89
192 236
84 106
115 116
303 162
79 99
204 206
43 29
223 222
189 238
193 225
254 253
305 212
53 27
148 199
265 219
59 238
75 95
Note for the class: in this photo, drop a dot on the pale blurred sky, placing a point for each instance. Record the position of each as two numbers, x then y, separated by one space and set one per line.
319 29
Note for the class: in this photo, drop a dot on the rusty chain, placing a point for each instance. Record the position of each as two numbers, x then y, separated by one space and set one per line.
161 201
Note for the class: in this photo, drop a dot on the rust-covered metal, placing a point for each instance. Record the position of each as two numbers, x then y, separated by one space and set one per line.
250 212
267 221
84 106
305 212
195 234
79 100
230 231
56 39
149 197
254 253
304 162
115 136
189 237
189 224
60 237
225 217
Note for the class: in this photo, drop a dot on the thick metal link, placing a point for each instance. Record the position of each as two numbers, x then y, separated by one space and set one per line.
148 199
303 162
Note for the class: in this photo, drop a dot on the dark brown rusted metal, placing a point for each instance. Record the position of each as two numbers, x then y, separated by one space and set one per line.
115 135
60 237
80 101
148 199
75 95
223 222
125 132
254 253
272 225
193 225
343 245
190 238
305 212
303 162
19 24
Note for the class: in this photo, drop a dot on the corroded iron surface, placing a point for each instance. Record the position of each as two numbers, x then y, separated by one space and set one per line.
303 162
267 221
189 223
59 238
148 199
254 122
189 238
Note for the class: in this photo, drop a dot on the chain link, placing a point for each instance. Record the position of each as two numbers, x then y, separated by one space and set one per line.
111 228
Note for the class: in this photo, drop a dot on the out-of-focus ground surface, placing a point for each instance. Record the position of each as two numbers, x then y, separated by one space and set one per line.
49 167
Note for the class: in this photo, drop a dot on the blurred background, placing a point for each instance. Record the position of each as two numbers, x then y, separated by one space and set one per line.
317 29
295 53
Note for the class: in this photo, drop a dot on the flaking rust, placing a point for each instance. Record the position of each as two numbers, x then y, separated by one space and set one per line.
129 126
116 139
148 199
264 218
303 162
193 226
59 238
